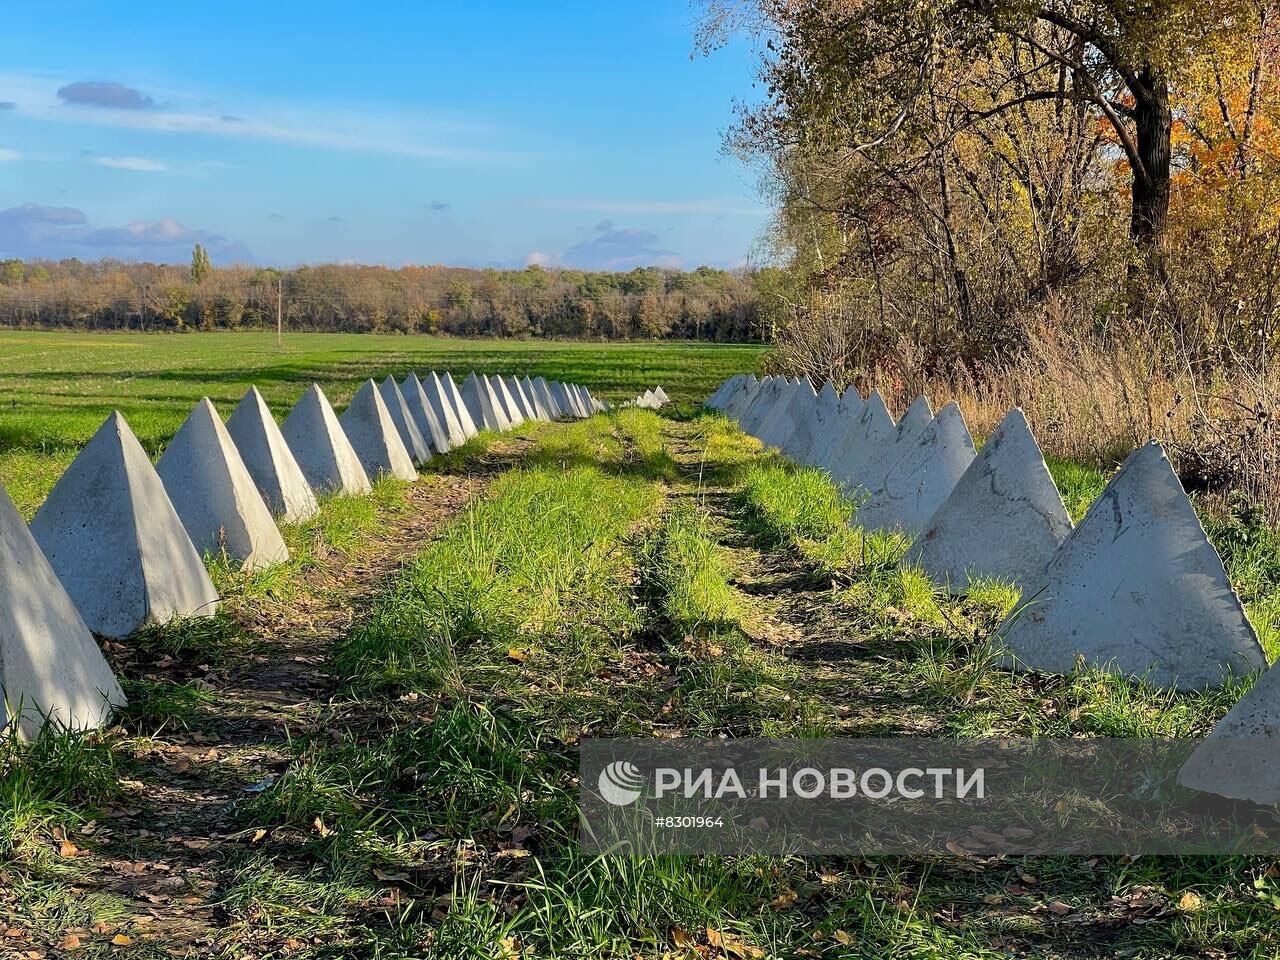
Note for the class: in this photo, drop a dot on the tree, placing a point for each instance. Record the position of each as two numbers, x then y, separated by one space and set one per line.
201 266
863 78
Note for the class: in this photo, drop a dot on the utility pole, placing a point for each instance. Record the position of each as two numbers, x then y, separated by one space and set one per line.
279 311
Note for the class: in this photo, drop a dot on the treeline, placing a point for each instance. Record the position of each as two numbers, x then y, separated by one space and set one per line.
645 303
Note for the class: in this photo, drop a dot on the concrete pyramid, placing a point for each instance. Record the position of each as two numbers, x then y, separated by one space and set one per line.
921 477
508 401
443 417
851 401
543 390
522 402
1138 587
791 416
740 400
583 397
485 410
720 397
824 414
566 399
771 391
269 460
540 409
918 416
415 441
1239 758
561 397
50 666
875 467
453 396
321 447
1004 520
423 415
525 402
112 536
374 437
767 426
214 493
863 439
661 395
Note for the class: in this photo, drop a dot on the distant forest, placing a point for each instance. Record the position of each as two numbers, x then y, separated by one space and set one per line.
645 303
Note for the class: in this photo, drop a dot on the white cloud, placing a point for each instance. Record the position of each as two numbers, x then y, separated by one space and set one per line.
7 155
413 135
141 164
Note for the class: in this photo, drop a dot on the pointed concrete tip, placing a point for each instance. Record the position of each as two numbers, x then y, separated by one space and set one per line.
269 460
321 447
374 436
1137 588
112 535
417 444
1004 520
920 477
214 494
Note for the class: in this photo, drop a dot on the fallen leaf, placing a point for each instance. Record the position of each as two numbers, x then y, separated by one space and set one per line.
843 937
783 900
69 942
68 849
320 828
1189 902
120 940
258 835
1059 908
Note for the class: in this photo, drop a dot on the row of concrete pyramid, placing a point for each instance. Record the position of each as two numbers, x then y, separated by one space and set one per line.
1137 587
118 543
654 398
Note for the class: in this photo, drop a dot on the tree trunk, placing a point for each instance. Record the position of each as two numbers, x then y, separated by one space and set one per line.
1154 123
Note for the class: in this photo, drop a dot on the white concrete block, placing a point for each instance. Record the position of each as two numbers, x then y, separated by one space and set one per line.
534 399
112 536
1138 588
485 410
1240 758
416 443
50 666
269 460
321 447
548 401
918 416
1004 520
454 397
374 437
862 439
921 477
215 496
423 414
506 400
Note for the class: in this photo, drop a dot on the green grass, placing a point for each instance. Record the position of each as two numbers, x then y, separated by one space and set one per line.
600 588
57 387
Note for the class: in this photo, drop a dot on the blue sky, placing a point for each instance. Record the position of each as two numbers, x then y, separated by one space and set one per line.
486 133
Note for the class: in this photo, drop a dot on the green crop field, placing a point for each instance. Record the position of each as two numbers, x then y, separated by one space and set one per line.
56 388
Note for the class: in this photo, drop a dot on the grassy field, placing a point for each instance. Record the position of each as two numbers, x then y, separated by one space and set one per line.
383 764
56 388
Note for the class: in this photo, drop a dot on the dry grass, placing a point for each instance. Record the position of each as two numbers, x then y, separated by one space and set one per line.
1095 404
